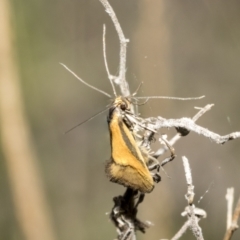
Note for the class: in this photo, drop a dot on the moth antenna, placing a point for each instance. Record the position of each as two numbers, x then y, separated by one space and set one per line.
89 119
141 83
140 104
171 98
87 84
165 172
110 77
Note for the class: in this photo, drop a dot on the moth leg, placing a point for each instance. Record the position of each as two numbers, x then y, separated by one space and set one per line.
156 177
167 160
128 235
154 164
172 150
140 200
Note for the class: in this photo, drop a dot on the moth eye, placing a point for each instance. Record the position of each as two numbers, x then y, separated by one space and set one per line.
123 106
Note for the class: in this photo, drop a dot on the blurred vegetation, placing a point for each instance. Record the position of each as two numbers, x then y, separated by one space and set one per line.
177 48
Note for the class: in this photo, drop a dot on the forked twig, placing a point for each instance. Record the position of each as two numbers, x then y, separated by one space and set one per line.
182 230
194 214
202 111
120 80
178 136
196 229
190 125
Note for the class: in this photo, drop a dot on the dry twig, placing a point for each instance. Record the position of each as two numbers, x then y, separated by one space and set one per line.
191 212
232 221
182 230
190 125
194 214
120 80
178 136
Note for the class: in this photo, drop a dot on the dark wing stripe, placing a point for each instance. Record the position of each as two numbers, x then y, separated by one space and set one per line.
130 146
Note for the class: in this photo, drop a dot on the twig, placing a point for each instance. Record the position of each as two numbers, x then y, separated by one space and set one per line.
110 77
202 111
190 125
196 229
178 136
234 222
121 78
199 214
190 192
229 198
182 230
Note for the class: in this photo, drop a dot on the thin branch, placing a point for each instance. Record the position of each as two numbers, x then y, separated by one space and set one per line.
234 223
110 77
181 231
121 78
178 136
229 197
190 125
199 214
236 213
196 229
202 111
190 193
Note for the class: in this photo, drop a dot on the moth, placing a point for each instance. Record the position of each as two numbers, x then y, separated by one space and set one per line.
128 163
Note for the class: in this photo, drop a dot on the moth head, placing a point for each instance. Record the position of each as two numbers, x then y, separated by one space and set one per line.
123 103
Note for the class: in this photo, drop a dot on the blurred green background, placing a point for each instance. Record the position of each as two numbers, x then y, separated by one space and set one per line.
177 48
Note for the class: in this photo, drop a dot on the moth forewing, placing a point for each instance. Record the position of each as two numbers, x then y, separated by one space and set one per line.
127 165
